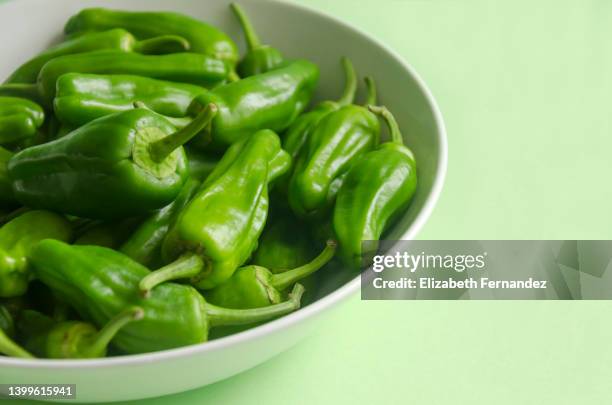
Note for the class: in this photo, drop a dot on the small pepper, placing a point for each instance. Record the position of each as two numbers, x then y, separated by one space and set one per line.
100 282
376 191
8 347
115 167
339 139
257 287
16 240
115 39
218 231
203 38
19 119
81 98
259 58
7 199
73 339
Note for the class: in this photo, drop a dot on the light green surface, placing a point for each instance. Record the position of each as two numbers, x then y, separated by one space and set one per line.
525 90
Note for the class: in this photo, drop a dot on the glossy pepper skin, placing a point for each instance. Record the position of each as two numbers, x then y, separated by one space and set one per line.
19 119
257 287
81 98
115 167
203 38
7 199
338 140
272 100
17 238
100 282
260 58
72 339
218 231
115 39
377 189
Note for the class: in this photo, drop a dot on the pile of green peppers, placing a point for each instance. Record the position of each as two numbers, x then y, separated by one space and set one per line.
155 185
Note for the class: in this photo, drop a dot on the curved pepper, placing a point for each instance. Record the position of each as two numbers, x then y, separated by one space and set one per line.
73 339
256 286
19 119
259 58
338 140
203 38
377 189
81 98
100 282
16 240
115 39
272 100
7 199
114 167
218 231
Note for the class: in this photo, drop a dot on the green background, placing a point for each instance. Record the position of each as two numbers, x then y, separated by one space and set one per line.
525 88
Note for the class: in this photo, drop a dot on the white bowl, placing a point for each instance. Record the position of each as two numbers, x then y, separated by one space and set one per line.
299 32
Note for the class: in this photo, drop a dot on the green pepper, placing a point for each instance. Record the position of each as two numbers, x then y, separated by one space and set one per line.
203 38
9 347
272 100
19 119
100 282
7 198
339 139
73 339
108 234
81 98
256 286
377 189
117 166
115 39
201 164
144 246
218 231
7 324
16 240
259 58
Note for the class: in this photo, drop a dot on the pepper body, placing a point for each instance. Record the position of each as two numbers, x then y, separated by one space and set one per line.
272 100
17 238
377 189
203 38
81 98
8 346
115 39
19 119
201 164
7 199
184 67
108 234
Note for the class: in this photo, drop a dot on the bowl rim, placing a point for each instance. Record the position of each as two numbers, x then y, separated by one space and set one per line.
329 301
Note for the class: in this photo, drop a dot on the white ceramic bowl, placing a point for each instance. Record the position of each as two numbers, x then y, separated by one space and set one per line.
34 24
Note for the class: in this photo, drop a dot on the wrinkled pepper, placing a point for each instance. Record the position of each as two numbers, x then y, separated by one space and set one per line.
218 231
115 39
81 98
260 58
376 191
7 199
17 238
19 119
339 139
100 282
203 38
117 166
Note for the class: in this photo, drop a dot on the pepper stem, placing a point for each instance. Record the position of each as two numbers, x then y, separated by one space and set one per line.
163 148
102 339
350 89
283 280
394 130
250 34
219 316
372 91
23 90
187 266
12 349
162 45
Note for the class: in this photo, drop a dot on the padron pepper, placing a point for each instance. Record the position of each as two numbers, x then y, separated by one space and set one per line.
72 339
117 166
7 199
376 191
115 39
81 98
218 231
17 238
100 282
260 58
203 38
19 119
338 140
